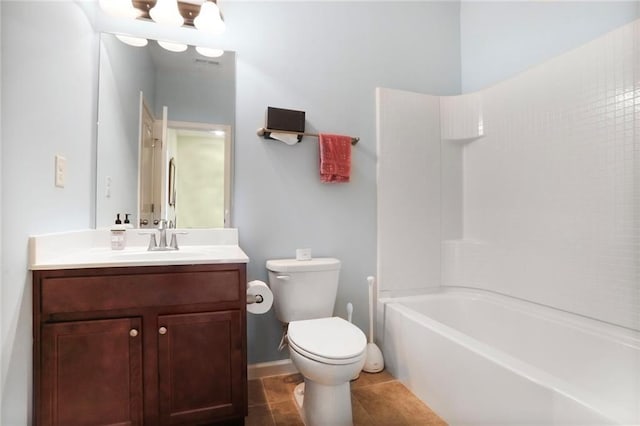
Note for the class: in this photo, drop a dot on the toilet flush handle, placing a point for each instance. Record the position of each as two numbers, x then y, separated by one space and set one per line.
283 277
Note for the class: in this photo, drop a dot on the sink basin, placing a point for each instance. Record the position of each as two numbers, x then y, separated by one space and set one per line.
140 256
185 252
185 255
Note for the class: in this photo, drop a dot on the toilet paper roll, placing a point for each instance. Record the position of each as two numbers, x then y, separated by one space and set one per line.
288 138
259 288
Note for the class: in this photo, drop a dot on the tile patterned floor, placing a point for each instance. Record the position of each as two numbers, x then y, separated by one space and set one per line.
376 400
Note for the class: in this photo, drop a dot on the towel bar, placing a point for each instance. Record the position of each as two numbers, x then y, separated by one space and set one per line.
264 132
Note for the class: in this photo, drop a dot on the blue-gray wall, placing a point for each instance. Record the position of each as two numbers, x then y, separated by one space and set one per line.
49 102
500 39
324 57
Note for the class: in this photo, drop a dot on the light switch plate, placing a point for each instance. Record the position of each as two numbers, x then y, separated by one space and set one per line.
108 181
61 170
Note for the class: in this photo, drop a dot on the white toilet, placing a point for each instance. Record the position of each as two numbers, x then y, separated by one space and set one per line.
328 351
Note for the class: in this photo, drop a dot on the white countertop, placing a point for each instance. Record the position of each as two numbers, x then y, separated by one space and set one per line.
92 249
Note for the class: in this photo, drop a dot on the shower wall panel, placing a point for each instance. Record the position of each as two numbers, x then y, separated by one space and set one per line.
551 198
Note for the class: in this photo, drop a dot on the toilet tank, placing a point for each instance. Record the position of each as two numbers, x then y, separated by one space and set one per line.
303 289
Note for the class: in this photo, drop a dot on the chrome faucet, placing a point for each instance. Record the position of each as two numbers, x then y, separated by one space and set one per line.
162 245
162 228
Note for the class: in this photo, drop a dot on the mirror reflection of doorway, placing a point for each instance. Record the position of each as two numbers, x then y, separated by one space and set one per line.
201 183
150 178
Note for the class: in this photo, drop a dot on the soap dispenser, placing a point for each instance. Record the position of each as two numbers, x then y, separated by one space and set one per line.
118 234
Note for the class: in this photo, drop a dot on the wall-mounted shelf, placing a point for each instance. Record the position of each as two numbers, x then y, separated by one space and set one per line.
266 133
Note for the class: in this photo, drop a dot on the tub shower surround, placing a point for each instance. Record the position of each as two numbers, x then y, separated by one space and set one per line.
539 200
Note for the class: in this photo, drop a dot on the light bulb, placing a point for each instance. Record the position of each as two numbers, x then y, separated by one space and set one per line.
120 8
173 47
209 52
209 19
166 12
132 41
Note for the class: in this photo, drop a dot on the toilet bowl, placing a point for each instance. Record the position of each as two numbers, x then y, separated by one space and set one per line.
328 352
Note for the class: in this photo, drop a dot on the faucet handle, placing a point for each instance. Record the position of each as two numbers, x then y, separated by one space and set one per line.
152 242
174 240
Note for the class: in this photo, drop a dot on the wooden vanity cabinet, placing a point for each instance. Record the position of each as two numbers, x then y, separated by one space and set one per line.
91 372
153 345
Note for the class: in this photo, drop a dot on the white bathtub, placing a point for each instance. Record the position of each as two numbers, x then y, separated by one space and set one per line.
479 358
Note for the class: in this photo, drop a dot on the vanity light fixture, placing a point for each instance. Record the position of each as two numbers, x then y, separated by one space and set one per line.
206 12
209 19
166 12
205 17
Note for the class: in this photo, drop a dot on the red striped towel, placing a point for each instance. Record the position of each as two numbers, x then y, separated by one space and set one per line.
335 158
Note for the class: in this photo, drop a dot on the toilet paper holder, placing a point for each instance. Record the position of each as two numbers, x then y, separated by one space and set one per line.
254 298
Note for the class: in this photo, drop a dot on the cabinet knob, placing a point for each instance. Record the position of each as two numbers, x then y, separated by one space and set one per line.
133 332
162 330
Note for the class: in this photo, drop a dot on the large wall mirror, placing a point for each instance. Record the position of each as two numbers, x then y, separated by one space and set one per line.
165 136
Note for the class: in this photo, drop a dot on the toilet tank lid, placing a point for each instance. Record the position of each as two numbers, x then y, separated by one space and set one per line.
293 265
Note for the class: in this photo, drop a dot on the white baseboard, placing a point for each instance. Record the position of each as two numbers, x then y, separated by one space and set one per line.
272 368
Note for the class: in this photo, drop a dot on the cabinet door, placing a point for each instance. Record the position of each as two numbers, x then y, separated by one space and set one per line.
91 373
200 363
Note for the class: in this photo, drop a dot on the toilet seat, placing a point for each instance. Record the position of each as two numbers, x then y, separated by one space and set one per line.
327 340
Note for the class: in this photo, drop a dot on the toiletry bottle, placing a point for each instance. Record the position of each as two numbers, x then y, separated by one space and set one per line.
118 235
127 223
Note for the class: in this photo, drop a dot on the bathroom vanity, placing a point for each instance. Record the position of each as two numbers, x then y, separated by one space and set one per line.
134 342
